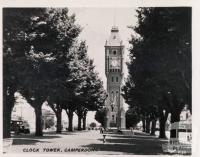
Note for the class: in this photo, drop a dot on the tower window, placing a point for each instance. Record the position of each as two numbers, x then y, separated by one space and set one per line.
112 79
112 108
114 52
117 96
113 117
113 95
116 79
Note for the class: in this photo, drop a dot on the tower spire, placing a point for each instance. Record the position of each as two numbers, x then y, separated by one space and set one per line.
114 17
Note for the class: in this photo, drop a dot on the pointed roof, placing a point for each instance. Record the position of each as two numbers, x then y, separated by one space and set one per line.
114 39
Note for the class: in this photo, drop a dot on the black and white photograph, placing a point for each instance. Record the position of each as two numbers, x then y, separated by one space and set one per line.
97 80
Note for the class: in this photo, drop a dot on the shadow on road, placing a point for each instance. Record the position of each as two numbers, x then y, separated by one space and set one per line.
27 141
31 139
137 144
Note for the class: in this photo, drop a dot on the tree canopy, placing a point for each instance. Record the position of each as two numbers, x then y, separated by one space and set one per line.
44 61
160 61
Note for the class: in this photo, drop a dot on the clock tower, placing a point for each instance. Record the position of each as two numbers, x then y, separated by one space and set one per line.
114 50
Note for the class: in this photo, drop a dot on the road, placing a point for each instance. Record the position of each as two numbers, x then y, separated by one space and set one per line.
88 142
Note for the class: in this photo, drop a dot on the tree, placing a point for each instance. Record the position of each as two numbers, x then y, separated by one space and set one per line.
93 92
74 80
88 93
42 41
100 116
160 66
93 125
16 23
132 118
65 31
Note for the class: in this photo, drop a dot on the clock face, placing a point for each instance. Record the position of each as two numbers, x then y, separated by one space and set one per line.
114 63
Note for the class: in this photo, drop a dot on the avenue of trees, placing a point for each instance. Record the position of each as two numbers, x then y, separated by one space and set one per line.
44 61
159 81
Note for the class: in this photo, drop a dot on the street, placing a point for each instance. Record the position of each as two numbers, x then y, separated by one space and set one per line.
88 142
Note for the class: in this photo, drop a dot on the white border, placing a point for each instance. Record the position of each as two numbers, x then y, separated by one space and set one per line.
95 3
195 4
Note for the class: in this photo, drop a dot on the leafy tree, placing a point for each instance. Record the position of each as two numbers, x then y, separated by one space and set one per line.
93 125
43 37
73 81
93 94
88 93
100 116
160 66
16 23
64 30
132 118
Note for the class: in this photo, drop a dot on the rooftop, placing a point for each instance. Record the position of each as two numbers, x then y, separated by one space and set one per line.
114 39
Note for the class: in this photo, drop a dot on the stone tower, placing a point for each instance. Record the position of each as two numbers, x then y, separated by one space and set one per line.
114 50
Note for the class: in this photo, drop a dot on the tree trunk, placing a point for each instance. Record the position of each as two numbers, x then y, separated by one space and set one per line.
163 115
162 128
79 122
70 118
148 125
80 116
59 122
84 121
7 110
162 122
176 107
175 117
38 114
8 104
153 127
144 124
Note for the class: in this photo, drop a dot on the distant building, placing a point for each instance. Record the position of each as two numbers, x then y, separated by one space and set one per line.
48 119
186 115
24 111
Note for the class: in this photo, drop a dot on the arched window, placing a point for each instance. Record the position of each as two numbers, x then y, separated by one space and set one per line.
117 95
112 108
112 96
116 79
112 79
114 52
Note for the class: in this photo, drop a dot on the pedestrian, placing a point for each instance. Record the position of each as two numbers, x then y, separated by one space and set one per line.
132 131
101 131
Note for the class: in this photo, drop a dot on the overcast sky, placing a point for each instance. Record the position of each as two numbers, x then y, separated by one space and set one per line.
97 24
